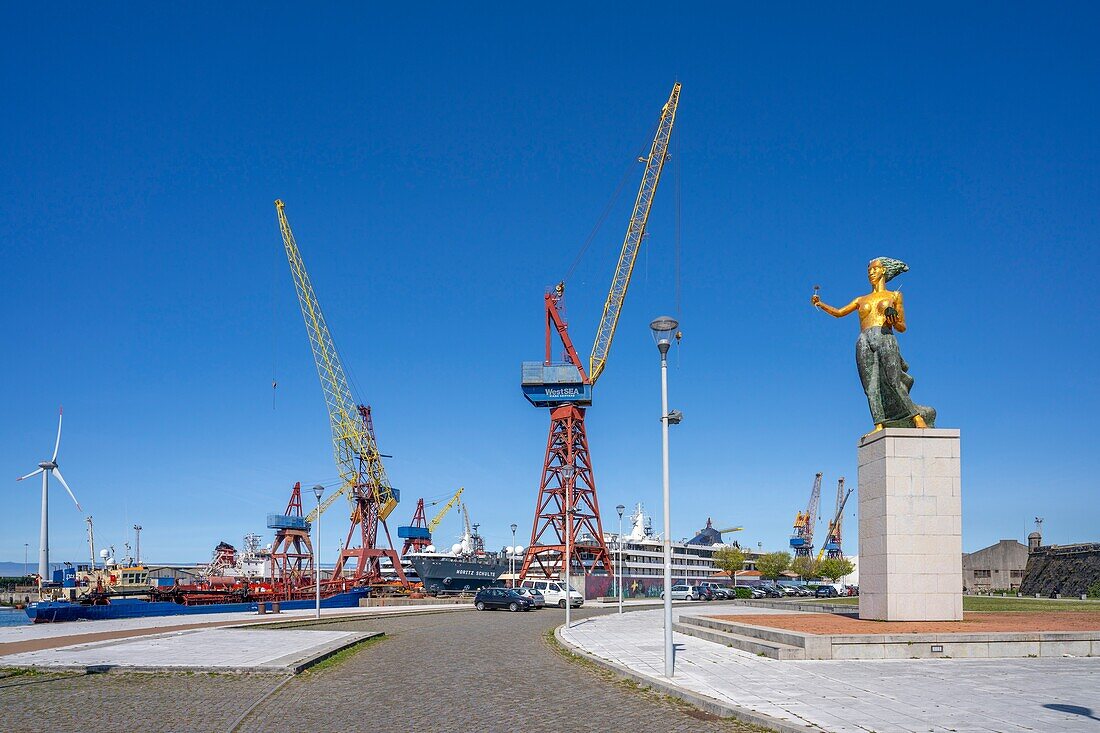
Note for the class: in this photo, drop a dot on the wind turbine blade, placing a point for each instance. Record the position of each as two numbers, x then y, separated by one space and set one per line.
62 480
32 473
57 443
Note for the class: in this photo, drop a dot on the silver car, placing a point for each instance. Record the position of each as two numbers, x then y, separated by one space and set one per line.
681 593
532 595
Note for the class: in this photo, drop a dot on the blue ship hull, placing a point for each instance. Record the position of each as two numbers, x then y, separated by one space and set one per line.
57 611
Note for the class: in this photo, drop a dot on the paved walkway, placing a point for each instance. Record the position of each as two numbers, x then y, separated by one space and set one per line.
1004 695
208 650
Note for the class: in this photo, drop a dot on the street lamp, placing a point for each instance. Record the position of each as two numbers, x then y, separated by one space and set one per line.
512 557
619 572
663 327
567 473
25 546
317 491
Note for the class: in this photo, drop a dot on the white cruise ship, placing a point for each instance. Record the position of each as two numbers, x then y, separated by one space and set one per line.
642 564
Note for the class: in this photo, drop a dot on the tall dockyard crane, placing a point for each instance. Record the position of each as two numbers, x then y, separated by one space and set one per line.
568 486
802 541
831 546
363 477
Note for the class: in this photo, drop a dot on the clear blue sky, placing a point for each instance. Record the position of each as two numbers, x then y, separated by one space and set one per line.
442 168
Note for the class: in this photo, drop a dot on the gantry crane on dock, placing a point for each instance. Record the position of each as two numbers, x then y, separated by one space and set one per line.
832 545
418 533
363 477
568 485
802 541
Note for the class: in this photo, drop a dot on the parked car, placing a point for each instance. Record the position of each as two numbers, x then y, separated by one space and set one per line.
702 593
771 591
720 592
681 593
553 592
826 591
535 596
757 592
491 598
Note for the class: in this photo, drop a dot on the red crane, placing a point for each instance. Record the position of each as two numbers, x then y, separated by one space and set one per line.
567 487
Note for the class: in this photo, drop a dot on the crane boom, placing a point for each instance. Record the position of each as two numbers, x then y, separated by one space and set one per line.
446 508
635 230
354 447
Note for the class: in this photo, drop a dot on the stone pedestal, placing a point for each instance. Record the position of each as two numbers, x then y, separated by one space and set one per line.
910 525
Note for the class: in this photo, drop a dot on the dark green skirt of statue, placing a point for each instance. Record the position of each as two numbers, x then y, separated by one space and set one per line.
886 380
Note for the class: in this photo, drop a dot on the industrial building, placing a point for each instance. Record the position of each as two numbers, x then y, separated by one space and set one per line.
1000 566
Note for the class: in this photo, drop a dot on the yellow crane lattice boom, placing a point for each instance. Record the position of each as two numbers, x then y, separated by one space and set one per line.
354 448
443 512
635 231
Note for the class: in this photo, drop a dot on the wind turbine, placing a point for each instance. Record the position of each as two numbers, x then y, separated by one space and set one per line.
46 468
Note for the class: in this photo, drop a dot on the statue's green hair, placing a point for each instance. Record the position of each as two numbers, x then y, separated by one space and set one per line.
892 267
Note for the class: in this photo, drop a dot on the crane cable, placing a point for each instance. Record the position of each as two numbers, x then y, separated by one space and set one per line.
606 210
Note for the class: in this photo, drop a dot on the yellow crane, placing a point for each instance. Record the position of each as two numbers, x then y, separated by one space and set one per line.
443 512
353 443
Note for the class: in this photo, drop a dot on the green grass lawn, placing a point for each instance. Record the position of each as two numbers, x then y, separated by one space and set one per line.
992 603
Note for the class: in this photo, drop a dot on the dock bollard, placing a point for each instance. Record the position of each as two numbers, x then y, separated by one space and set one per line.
275 607
261 608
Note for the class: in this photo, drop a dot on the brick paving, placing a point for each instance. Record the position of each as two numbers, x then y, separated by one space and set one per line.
446 672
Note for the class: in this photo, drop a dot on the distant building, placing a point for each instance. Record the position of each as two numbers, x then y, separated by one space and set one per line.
1000 566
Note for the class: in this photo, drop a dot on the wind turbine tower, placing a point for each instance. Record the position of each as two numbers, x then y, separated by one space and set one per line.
46 468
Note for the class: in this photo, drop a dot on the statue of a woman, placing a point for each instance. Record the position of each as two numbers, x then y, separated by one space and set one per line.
884 374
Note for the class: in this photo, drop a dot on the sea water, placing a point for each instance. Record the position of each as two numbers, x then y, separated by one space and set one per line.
13 617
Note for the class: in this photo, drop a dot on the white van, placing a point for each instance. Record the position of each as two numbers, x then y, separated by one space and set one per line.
554 592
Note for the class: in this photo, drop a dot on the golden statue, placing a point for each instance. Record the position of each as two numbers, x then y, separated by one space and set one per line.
883 371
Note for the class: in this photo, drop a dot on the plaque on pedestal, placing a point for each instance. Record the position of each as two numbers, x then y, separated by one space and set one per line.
910 525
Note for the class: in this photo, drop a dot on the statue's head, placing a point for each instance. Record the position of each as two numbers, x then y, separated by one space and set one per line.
885 269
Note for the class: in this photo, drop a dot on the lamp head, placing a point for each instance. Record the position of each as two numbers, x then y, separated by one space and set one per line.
514 528
567 472
620 509
318 490
663 327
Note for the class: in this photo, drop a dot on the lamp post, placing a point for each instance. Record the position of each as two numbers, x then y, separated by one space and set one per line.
317 491
619 571
663 327
567 473
512 557
26 546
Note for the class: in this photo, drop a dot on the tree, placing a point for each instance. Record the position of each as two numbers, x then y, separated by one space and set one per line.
835 568
805 566
772 564
730 559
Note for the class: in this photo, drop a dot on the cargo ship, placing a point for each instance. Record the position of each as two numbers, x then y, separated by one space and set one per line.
232 582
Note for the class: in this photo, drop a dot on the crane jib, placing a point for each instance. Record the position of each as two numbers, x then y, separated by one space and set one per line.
635 231
354 447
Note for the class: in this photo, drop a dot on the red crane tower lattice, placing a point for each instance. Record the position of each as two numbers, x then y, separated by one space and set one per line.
292 551
567 446
419 521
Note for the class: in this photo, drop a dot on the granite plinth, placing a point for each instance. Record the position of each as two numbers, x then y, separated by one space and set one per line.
910 525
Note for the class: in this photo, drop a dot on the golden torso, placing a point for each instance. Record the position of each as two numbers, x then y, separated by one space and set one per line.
872 308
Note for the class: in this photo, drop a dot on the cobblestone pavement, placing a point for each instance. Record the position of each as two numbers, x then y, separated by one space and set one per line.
442 672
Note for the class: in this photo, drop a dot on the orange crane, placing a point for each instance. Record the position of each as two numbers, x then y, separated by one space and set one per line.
802 541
